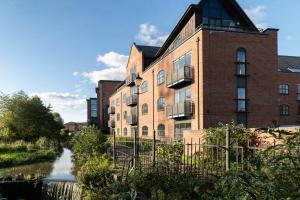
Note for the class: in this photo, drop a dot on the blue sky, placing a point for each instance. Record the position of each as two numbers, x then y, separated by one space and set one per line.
57 49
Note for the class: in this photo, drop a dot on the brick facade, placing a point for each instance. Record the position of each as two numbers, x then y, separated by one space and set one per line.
213 87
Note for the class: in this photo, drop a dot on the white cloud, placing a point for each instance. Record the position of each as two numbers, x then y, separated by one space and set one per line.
70 106
113 59
114 69
149 35
109 73
75 73
257 14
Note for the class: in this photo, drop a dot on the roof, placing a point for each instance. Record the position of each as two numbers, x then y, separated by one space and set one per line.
148 51
289 64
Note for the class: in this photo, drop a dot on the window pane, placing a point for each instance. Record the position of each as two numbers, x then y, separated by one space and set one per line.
241 106
241 69
241 56
241 93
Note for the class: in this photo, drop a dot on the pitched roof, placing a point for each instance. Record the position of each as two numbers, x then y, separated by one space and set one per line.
290 64
148 51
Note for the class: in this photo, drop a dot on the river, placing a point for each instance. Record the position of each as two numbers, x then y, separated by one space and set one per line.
60 169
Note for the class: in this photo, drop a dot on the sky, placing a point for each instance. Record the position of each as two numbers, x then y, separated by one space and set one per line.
58 49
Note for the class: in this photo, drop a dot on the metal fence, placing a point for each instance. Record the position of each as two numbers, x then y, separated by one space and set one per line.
197 157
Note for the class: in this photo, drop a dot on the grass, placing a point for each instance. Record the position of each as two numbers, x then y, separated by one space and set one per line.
19 158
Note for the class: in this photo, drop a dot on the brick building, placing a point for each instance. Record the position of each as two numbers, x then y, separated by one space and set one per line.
215 66
97 108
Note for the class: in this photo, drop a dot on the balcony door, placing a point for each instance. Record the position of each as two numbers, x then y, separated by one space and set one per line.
180 127
182 95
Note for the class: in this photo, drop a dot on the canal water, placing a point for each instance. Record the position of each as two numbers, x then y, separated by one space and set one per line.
61 169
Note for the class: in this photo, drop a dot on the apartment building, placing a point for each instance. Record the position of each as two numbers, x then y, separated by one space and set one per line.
215 66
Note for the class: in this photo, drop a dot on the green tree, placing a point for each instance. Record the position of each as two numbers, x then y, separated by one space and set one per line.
28 118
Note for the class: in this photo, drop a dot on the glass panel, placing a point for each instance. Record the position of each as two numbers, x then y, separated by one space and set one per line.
188 59
241 56
241 93
241 106
241 118
241 69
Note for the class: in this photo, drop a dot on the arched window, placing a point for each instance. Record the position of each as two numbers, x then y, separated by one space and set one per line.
125 131
284 89
125 115
161 130
160 77
145 87
161 103
284 110
145 109
241 61
118 117
145 131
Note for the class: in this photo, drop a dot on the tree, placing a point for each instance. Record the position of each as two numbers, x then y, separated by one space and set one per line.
28 118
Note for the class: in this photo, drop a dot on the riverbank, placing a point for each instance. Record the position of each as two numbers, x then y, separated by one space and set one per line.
11 159
21 152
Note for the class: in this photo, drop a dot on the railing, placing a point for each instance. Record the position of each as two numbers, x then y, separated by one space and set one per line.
131 120
112 123
132 100
130 80
178 110
111 110
180 76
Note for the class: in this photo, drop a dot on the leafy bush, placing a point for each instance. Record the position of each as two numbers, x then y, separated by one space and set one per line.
88 143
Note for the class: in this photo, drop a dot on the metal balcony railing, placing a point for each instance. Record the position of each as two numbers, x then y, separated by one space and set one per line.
111 110
180 76
179 110
132 100
131 120
130 80
112 123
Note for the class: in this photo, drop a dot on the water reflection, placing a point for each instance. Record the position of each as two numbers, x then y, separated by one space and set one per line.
60 169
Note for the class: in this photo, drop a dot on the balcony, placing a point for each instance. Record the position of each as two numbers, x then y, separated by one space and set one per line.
179 77
112 123
132 100
180 110
130 80
131 120
111 110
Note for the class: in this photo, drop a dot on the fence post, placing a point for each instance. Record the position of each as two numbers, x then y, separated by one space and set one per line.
153 148
228 149
135 149
114 148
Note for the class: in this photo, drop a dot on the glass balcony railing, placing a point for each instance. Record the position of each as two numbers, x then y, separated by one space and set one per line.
181 76
180 110
131 120
111 110
130 80
132 100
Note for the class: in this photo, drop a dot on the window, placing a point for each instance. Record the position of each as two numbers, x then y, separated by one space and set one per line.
284 89
125 115
160 77
118 117
284 110
241 61
125 131
161 130
112 103
241 97
145 131
183 95
298 92
118 101
145 87
145 109
161 104
124 98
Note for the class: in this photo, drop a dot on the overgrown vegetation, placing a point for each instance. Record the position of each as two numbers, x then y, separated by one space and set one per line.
270 174
29 130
